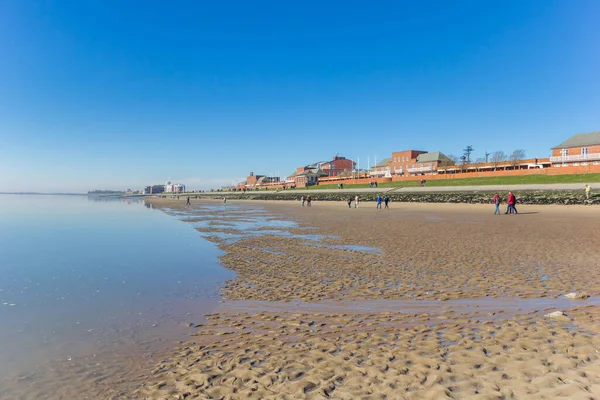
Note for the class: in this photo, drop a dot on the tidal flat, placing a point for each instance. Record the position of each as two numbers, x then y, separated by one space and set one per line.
419 301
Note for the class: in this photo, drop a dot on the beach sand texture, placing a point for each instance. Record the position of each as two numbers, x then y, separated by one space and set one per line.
307 318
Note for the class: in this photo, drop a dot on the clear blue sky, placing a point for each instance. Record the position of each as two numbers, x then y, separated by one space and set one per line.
116 93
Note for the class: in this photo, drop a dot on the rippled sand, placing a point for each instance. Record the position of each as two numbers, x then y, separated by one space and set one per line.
309 318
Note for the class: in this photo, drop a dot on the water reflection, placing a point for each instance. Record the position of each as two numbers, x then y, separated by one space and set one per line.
82 273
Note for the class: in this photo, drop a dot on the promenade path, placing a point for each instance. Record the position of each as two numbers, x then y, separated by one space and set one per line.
434 189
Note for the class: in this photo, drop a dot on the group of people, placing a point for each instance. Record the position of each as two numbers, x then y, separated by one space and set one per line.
511 202
306 200
385 200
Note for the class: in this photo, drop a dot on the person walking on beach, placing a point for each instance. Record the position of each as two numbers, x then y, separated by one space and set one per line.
514 206
356 199
187 203
349 202
510 204
302 200
308 200
588 189
497 201
386 200
379 202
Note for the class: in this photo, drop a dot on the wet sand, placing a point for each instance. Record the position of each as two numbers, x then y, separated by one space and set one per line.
439 301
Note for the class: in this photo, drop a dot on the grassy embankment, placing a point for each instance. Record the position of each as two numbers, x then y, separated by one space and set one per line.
497 180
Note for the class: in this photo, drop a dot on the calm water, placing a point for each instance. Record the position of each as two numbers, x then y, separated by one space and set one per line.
80 276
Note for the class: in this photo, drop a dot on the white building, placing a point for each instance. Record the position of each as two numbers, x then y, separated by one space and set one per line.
174 187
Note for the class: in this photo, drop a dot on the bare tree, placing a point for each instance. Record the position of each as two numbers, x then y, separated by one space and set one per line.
463 161
452 160
497 158
517 156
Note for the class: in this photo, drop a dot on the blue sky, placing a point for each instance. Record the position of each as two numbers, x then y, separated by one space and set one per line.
116 93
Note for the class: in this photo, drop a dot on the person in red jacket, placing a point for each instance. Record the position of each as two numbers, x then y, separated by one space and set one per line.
510 204
497 201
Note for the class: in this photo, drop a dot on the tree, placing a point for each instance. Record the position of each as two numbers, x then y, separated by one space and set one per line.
517 156
480 160
463 161
497 158
451 160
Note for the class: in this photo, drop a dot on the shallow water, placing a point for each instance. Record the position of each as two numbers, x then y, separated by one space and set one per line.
499 307
80 276
247 220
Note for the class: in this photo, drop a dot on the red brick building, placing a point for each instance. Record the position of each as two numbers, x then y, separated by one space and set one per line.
259 180
579 150
416 162
382 169
335 167
310 174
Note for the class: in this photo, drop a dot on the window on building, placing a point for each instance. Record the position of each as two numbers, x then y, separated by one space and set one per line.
584 151
564 152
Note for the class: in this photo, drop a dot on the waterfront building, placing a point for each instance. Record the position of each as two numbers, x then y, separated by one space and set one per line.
174 187
382 169
579 150
335 167
310 174
253 180
306 177
417 162
154 189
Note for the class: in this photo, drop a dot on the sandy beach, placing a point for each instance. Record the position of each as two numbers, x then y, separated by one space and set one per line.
421 301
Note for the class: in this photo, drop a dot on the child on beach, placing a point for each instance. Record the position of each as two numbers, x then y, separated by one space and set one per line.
386 200
379 202
350 202
302 200
308 200
187 203
356 201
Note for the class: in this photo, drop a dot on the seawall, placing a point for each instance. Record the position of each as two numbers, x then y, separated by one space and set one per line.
564 197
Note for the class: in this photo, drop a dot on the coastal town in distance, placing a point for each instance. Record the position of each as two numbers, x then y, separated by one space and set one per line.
577 155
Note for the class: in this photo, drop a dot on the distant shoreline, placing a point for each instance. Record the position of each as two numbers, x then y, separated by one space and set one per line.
44 194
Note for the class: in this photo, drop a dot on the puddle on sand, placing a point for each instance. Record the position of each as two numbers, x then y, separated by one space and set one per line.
350 247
